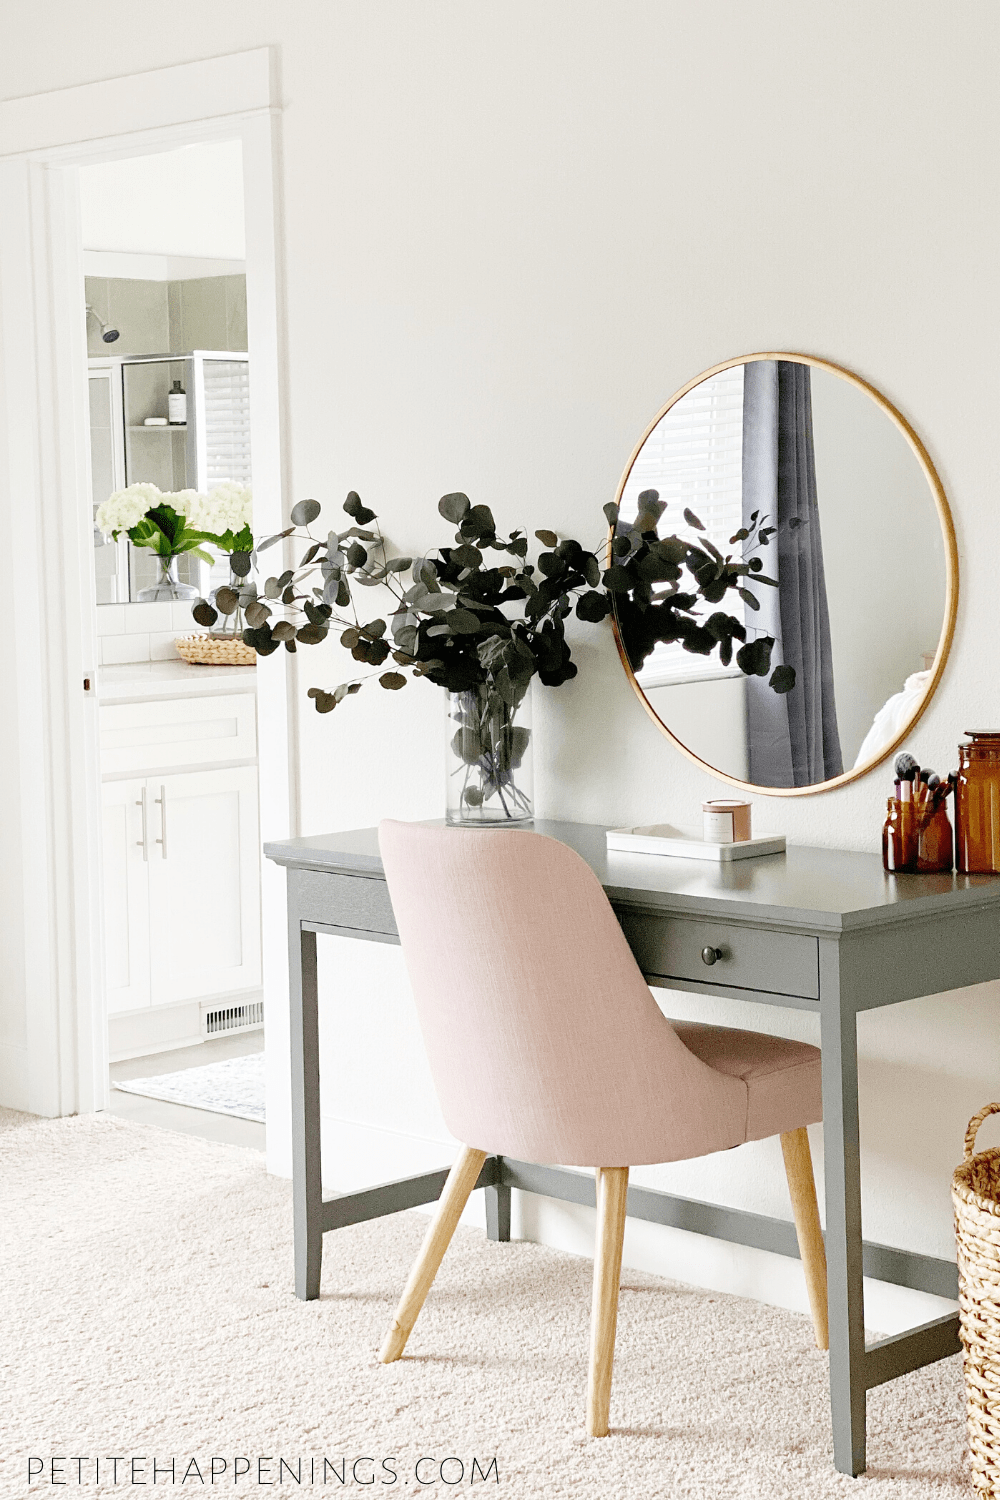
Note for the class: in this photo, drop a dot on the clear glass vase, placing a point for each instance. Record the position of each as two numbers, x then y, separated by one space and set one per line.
168 585
488 759
234 624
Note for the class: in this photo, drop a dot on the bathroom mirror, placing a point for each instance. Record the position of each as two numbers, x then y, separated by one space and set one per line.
848 517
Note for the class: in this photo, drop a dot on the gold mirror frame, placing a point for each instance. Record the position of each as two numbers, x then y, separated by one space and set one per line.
951 574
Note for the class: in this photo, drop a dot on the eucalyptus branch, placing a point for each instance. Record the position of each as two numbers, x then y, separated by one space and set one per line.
449 622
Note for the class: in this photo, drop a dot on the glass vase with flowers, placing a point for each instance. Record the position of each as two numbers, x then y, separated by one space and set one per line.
158 520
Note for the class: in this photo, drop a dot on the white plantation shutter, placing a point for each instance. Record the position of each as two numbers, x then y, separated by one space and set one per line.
227 436
227 421
694 458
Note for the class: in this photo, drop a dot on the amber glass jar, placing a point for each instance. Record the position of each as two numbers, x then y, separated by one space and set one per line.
977 804
933 840
899 838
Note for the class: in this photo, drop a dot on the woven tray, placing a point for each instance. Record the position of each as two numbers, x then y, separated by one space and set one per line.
975 1193
215 650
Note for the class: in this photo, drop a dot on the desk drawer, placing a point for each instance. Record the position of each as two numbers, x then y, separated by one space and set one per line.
779 963
344 901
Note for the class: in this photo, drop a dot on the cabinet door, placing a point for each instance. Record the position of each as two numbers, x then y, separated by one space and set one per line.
126 896
204 884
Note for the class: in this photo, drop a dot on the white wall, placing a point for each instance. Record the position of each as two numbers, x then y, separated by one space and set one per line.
511 232
183 202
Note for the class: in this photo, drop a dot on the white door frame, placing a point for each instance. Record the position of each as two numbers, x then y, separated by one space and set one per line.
53 1025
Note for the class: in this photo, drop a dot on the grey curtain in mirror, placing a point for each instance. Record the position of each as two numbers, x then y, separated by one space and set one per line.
792 738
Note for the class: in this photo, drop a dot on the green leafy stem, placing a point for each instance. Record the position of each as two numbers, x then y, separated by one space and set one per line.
165 531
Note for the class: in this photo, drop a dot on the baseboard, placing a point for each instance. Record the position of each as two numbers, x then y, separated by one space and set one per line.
715 1265
357 1154
14 1075
162 1028
149 1049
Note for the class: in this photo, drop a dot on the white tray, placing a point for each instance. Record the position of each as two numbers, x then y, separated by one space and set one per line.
661 838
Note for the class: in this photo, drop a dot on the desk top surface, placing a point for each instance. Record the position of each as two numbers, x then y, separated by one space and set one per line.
826 890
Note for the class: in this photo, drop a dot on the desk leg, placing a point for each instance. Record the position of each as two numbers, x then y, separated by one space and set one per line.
498 1209
842 1170
307 1175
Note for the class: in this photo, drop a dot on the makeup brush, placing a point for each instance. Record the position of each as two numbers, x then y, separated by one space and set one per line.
906 769
940 789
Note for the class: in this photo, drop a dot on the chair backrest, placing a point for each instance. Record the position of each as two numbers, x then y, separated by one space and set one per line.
543 1038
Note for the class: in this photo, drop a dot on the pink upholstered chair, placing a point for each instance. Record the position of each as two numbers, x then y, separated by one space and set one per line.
546 1044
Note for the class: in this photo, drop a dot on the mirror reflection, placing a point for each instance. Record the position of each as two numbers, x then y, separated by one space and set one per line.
134 440
165 307
800 466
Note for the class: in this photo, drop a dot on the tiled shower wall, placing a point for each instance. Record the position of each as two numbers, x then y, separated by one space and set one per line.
167 317
208 313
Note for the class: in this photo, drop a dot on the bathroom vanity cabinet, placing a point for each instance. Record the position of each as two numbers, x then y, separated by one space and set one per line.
181 856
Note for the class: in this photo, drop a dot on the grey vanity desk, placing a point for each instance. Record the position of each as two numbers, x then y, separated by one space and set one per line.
814 929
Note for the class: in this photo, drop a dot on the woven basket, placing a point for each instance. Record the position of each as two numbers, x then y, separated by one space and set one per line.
975 1193
215 650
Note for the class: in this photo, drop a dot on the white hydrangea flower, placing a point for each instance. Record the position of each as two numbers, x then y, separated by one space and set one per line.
226 507
186 503
233 503
126 508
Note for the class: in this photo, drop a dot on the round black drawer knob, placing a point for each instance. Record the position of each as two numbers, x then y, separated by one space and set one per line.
710 955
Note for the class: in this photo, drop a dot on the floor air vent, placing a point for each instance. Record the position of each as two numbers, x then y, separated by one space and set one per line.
221 1019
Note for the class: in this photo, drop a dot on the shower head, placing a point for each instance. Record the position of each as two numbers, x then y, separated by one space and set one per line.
107 334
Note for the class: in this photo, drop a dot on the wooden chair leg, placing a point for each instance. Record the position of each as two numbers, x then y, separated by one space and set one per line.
802 1191
461 1180
612 1191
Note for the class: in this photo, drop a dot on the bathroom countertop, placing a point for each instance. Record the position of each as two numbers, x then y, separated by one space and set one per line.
141 681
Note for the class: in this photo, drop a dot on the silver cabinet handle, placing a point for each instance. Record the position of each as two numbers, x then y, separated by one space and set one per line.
162 840
711 955
143 843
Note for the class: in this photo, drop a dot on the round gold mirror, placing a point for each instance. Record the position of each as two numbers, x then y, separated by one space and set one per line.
814 663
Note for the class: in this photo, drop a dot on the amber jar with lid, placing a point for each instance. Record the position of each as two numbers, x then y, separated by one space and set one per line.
977 804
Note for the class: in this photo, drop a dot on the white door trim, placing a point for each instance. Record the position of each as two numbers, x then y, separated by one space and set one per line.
53 1026
187 94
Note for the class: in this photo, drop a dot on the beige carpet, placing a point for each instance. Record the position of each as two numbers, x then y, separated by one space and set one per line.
147 1311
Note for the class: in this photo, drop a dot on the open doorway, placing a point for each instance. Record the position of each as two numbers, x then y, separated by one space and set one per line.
54 1030
169 376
